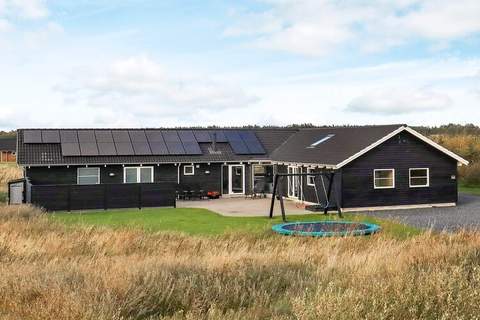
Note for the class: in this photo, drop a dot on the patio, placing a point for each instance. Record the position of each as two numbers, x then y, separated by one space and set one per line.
241 207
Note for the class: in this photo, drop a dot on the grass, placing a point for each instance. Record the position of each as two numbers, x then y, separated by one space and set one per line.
205 222
475 190
53 271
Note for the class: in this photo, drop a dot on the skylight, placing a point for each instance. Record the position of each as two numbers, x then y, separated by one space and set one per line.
313 145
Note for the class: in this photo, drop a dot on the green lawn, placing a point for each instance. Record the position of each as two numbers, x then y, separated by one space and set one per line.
3 196
469 189
204 222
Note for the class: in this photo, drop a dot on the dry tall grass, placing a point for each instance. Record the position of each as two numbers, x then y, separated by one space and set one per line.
8 173
48 271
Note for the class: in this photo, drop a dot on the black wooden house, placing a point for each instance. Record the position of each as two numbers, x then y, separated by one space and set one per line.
376 166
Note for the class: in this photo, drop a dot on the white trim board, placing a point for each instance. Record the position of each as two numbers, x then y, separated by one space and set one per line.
401 207
394 133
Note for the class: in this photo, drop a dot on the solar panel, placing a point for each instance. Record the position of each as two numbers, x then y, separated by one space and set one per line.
104 136
88 148
236 142
32 136
120 136
106 148
137 135
70 149
124 148
172 140
159 148
187 136
68 136
192 148
141 147
202 136
251 140
87 136
154 136
50 136
220 135
157 144
189 142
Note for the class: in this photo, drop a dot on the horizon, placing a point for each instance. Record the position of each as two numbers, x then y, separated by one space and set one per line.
235 63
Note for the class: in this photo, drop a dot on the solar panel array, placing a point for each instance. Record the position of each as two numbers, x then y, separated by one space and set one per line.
90 142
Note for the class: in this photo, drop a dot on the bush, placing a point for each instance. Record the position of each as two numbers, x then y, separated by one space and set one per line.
470 175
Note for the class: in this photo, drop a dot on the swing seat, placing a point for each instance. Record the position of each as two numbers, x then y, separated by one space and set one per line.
315 207
318 207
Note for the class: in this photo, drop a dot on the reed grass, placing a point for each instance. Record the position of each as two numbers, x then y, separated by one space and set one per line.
51 271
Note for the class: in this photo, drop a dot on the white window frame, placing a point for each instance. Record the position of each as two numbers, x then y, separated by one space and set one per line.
138 174
419 186
375 179
311 184
97 175
187 173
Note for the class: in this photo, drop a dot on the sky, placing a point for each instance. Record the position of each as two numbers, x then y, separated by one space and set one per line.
98 63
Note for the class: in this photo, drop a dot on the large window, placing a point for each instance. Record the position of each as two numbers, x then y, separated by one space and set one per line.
384 178
138 175
310 179
419 177
88 175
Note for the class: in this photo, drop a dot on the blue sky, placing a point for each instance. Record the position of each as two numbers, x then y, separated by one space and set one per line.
179 63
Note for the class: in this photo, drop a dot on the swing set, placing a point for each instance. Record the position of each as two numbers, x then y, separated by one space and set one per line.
327 189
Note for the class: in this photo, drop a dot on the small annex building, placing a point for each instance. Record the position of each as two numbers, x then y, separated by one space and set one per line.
8 149
375 166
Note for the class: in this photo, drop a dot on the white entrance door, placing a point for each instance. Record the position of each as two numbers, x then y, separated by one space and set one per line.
294 183
236 183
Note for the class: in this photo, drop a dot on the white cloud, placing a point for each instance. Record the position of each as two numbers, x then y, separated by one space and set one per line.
399 101
139 87
26 9
313 27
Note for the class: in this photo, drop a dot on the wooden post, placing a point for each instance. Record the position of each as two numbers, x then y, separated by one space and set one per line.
274 194
282 207
329 192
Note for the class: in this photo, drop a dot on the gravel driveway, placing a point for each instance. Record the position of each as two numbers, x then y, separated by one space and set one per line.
466 215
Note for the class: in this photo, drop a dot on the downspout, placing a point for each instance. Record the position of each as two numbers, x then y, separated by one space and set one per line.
178 173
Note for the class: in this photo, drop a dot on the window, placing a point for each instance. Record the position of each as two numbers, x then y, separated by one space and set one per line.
88 175
384 178
419 177
138 174
189 170
310 179
322 140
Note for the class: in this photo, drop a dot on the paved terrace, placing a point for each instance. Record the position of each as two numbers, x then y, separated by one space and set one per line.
466 215
241 207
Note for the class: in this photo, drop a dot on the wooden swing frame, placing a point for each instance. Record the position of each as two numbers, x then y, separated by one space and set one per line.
330 175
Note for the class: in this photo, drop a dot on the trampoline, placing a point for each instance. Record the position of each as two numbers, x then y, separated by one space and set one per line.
326 228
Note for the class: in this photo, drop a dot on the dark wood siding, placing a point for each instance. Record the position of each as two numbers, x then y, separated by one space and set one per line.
206 177
103 196
108 174
401 152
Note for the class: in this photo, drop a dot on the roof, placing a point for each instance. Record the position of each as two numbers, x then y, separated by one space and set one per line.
328 146
337 146
8 144
41 154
